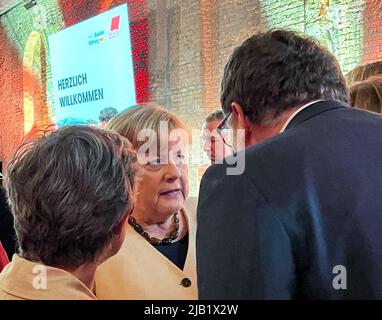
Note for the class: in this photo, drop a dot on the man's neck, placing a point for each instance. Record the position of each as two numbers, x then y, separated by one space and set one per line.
266 131
298 110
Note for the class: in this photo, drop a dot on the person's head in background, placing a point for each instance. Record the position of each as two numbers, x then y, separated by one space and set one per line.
364 71
105 116
213 144
269 77
367 94
71 193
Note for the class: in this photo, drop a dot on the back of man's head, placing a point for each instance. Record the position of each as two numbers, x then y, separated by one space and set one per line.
214 115
106 114
278 70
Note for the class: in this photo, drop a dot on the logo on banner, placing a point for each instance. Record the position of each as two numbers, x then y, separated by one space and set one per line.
114 27
96 37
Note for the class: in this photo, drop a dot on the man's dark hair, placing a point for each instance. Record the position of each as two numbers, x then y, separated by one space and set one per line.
106 114
67 192
214 115
278 70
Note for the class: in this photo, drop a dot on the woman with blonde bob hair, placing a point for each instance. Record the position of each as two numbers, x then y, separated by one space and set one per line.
367 94
364 72
157 260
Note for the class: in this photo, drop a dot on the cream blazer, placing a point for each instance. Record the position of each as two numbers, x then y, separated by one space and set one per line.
140 272
18 278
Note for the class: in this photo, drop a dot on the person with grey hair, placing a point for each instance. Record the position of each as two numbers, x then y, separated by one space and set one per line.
213 145
71 193
106 115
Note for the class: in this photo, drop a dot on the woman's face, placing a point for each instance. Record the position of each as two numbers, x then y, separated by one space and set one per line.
163 186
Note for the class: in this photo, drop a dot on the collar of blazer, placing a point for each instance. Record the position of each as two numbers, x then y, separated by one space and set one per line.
142 245
29 280
190 220
313 110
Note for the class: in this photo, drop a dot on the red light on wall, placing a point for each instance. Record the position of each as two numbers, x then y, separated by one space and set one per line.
77 11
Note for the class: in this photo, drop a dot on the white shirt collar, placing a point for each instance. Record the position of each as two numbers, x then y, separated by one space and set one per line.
297 111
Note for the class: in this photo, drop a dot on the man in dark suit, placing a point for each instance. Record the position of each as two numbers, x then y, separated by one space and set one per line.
304 218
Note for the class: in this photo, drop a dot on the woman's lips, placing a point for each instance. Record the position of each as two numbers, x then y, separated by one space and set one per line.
171 193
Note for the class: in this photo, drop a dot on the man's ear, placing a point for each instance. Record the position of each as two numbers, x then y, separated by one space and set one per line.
238 116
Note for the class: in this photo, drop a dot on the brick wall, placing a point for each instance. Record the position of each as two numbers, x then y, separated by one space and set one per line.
34 81
175 61
232 23
372 35
11 99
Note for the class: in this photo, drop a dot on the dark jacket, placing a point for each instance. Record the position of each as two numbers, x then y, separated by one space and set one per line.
3 258
304 220
7 231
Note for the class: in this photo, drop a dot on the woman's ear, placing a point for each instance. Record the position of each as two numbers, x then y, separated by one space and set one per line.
120 227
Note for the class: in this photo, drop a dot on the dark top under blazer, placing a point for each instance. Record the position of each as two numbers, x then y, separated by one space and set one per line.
310 199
